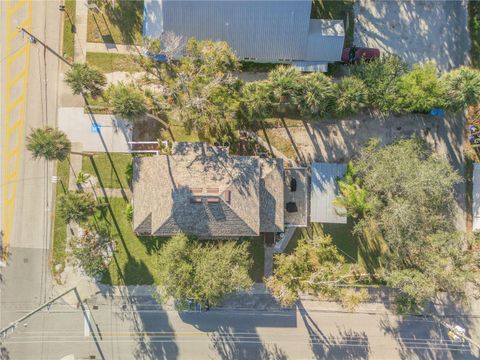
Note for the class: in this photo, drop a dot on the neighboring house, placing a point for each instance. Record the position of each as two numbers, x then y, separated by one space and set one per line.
476 197
204 191
259 31
324 190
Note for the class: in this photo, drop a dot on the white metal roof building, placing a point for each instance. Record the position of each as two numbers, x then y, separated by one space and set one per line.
257 30
476 197
323 192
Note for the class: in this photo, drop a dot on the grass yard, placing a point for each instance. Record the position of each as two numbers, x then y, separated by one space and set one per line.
69 30
111 174
279 141
474 27
257 251
122 24
180 135
135 261
364 250
58 255
111 62
336 10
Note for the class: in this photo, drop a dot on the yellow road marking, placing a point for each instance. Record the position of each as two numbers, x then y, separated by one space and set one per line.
14 126
18 77
11 9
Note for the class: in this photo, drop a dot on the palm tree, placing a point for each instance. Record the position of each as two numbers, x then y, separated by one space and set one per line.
462 88
317 96
86 80
76 206
48 143
351 97
285 85
127 100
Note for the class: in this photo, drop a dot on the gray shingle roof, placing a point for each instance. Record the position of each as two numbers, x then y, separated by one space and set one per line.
200 190
265 30
271 195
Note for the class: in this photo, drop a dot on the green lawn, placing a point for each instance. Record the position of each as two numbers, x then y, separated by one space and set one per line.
58 255
364 250
110 62
336 10
257 251
69 29
474 27
122 24
135 261
110 169
180 134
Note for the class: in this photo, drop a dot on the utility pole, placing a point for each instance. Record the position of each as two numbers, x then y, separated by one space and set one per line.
11 328
33 39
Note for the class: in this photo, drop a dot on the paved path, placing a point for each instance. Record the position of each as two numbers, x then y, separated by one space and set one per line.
81 18
417 31
113 48
113 135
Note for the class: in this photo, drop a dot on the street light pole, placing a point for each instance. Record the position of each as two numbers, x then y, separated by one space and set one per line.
33 39
13 325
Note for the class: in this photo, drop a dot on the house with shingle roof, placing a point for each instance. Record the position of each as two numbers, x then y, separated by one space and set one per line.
202 190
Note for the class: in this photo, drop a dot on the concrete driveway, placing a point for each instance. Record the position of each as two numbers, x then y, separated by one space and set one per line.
417 31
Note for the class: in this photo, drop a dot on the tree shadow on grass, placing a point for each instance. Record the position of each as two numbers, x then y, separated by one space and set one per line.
153 243
129 17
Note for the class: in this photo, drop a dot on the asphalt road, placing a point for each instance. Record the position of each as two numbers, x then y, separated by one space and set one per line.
134 331
26 183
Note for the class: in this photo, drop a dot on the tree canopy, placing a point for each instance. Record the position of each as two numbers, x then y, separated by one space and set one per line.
76 206
48 143
205 273
127 100
462 88
84 79
405 194
316 266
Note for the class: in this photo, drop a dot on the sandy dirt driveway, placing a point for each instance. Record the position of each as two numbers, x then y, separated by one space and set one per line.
417 31
339 141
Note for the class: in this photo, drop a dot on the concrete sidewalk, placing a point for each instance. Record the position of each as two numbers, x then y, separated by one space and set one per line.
97 133
113 48
81 16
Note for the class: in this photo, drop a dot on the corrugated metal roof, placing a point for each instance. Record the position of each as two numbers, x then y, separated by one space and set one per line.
476 197
325 40
260 30
323 192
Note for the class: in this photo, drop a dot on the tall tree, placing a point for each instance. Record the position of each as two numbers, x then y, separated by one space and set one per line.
351 95
256 103
76 206
127 100
92 250
316 266
462 88
410 195
85 79
48 143
420 89
285 85
316 96
203 273
381 76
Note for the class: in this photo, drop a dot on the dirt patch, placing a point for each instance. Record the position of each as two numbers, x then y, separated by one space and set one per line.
417 31
146 129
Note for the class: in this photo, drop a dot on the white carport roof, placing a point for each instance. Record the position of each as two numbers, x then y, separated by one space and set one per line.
323 192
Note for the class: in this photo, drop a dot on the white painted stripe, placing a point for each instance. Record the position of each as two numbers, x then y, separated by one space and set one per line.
86 323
